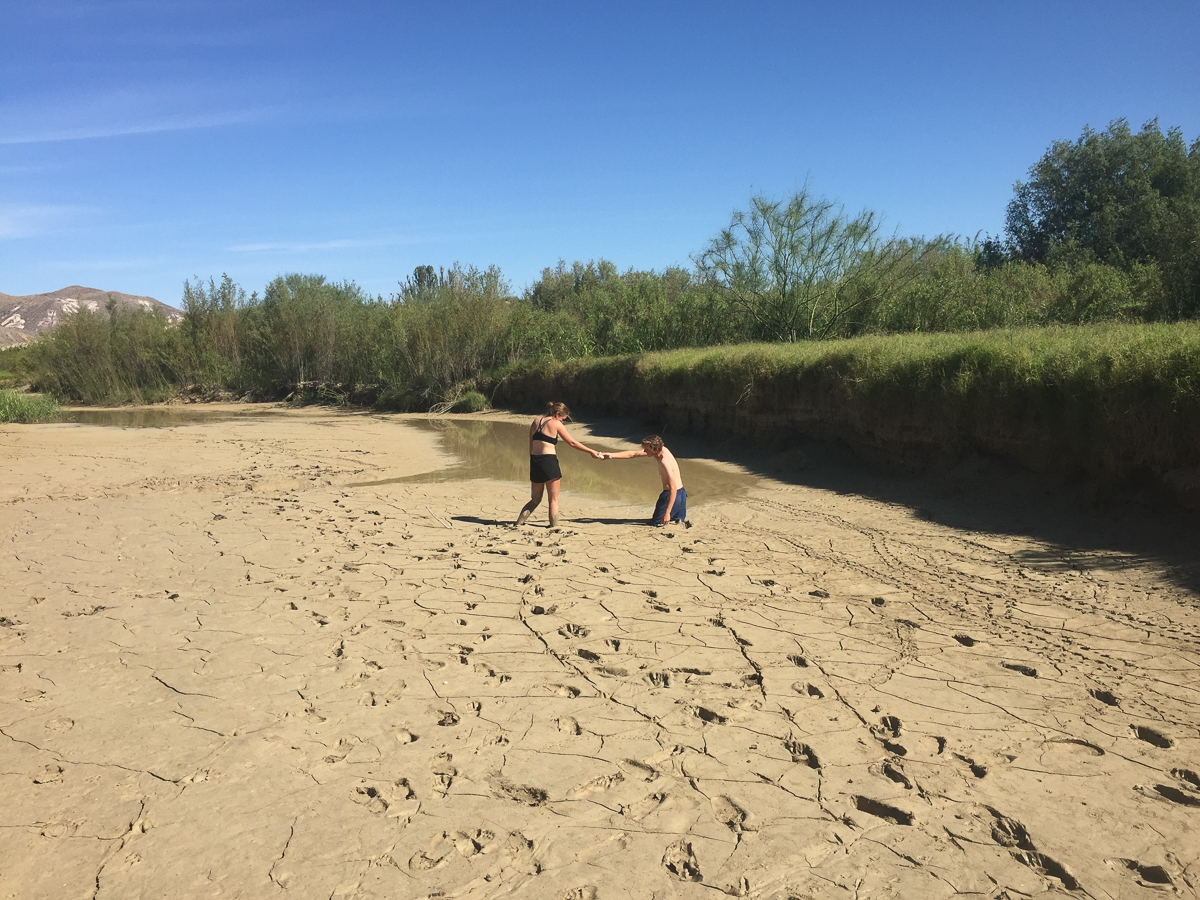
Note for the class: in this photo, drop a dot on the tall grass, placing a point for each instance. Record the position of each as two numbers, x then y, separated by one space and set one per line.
26 408
305 336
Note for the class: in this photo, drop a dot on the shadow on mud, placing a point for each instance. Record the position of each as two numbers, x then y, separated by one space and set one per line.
1084 524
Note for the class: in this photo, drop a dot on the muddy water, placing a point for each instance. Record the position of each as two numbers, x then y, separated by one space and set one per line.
157 416
500 451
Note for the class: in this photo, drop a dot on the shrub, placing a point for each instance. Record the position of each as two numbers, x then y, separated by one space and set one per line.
26 408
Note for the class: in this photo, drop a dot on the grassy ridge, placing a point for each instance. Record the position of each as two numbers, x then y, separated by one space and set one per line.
1113 400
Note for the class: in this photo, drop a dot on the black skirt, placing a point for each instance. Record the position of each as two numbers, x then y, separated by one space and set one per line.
544 468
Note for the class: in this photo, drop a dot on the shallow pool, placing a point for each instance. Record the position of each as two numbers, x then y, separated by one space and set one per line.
500 451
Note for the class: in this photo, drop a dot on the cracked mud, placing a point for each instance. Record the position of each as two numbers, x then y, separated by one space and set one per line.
226 672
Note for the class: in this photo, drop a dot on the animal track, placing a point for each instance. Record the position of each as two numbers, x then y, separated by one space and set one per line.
797 660
965 640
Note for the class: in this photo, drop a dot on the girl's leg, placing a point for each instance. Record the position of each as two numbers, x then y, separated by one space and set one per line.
552 487
535 497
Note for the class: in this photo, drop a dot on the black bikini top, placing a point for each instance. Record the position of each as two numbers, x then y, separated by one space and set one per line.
543 438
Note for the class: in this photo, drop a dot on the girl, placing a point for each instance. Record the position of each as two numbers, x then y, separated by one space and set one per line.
544 473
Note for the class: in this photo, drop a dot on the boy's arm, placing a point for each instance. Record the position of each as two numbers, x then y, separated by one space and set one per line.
626 454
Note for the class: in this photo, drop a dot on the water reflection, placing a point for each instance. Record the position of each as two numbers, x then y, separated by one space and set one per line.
500 451
158 416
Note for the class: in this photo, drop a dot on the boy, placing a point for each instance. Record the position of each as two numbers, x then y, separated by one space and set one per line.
672 502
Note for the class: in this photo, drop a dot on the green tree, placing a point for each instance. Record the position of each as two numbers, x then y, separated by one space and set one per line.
799 269
1119 198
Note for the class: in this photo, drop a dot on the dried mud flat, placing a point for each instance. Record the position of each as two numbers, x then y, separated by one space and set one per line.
225 673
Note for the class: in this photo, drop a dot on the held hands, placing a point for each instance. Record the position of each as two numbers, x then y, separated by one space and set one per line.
596 454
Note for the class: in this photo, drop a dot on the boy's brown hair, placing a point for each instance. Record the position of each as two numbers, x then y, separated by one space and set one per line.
652 444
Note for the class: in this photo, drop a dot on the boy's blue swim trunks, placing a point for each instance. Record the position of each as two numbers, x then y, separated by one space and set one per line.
678 512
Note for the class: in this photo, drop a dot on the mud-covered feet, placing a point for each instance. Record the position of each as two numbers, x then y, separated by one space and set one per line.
554 520
524 516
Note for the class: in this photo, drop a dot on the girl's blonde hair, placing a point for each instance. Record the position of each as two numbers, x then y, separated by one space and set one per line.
554 408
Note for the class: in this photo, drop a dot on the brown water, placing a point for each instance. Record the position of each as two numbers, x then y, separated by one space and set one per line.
500 451
158 416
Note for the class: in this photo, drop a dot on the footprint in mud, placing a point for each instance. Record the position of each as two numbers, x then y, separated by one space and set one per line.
728 813
639 809
443 774
1175 795
965 640
889 725
1153 737
1022 669
1149 876
448 718
1105 697
588 655
680 861
567 725
504 789
573 631
639 769
596 785
371 797
892 771
976 769
62 723
659 679
47 775
586 892
707 715
882 810
343 748
802 753
797 660
1013 836
1188 777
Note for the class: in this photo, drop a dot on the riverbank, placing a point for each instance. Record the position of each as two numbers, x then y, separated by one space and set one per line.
1116 403
239 657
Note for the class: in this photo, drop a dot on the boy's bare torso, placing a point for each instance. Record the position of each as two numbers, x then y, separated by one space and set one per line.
668 470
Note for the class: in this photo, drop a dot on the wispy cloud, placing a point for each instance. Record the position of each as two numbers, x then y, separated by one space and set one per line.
28 221
310 246
129 111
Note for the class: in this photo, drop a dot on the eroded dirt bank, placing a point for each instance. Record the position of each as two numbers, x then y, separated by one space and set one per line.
225 673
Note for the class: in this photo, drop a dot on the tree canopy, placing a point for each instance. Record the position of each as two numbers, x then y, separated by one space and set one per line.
1120 198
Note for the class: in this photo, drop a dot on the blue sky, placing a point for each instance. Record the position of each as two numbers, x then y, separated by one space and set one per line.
143 143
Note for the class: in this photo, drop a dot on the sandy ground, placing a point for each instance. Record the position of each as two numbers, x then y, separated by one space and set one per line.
225 673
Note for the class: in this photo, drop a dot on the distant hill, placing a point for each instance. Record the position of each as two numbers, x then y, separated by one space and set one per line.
24 318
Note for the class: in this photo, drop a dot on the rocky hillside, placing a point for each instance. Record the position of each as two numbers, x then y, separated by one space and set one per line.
24 318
